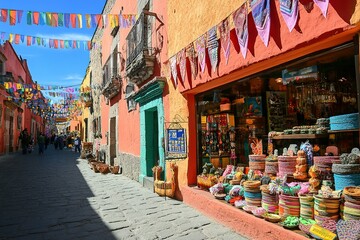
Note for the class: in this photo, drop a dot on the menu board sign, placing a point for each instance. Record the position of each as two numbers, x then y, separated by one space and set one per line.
175 144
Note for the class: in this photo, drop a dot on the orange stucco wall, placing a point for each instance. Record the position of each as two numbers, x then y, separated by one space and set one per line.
189 20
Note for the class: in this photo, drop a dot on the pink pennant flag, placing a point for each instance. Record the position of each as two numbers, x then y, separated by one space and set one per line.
289 10
323 5
200 50
181 59
240 18
191 54
224 30
173 69
213 46
261 15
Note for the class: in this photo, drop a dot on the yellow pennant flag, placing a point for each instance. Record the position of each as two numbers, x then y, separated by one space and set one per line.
88 20
79 17
111 20
11 37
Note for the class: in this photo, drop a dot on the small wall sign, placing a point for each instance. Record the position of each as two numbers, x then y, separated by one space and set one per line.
175 145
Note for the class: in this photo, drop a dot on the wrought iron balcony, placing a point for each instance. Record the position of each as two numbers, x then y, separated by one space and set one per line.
112 87
140 53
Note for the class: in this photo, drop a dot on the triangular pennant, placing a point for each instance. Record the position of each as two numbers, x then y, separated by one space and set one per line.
181 59
12 17
212 46
4 15
173 69
79 19
60 20
22 38
200 50
261 14
17 38
61 43
29 17
19 15
54 19
11 37
73 20
56 43
323 5
289 10
67 19
191 54
28 40
88 20
104 19
42 18
240 19
224 30
36 16
38 40
48 19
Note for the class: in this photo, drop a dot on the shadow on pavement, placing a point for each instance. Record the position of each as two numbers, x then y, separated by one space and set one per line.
46 197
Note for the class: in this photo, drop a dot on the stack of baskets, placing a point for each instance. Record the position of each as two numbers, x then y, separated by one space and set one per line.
271 165
352 203
344 122
289 206
252 193
257 162
307 206
287 165
326 208
324 165
346 175
270 202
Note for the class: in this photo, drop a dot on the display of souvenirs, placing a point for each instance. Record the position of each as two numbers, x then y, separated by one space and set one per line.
314 180
347 173
257 159
301 166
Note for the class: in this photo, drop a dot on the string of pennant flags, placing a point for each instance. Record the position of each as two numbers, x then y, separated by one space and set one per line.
48 42
73 20
260 11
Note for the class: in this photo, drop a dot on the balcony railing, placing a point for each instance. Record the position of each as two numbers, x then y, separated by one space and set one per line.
140 57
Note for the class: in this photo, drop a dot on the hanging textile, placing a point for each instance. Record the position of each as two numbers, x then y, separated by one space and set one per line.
60 20
191 54
212 46
323 5
4 15
54 19
181 59
12 17
36 16
200 50
261 15
29 18
289 10
73 20
173 69
224 30
19 15
240 18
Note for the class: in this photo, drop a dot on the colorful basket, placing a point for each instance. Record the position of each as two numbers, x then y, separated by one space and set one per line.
307 206
344 122
287 165
289 206
342 181
326 208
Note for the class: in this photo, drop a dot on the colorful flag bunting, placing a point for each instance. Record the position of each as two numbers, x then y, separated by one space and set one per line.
289 11
67 19
4 15
88 20
240 18
54 19
19 15
48 19
261 15
11 37
191 54
60 20
28 40
79 19
181 59
213 45
17 38
323 5
12 17
36 16
173 69
29 18
224 30
200 50
42 18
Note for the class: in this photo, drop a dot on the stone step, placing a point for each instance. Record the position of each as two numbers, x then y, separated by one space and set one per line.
148 182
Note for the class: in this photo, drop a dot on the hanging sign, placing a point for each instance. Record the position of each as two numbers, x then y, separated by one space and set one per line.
175 143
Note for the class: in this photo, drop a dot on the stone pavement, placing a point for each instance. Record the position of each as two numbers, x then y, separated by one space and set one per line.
57 196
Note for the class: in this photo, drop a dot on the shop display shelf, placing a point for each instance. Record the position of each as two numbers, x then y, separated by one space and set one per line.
300 136
344 131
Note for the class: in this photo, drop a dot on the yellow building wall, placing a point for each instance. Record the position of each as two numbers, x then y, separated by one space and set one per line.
85 110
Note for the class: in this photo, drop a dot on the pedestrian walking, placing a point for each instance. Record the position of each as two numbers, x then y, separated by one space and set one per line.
41 143
77 143
25 138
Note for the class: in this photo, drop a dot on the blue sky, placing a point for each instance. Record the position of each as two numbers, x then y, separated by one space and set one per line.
48 66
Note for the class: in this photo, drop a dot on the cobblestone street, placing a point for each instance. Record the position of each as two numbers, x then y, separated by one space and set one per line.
57 196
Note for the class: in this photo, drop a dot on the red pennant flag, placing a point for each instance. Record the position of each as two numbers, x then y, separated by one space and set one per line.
56 43
73 20
28 40
36 18
89 45
61 43
99 20
4 15
74 44
17 38
54 19
12 17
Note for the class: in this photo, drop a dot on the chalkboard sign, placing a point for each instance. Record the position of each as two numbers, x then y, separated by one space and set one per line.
175 144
